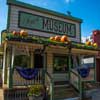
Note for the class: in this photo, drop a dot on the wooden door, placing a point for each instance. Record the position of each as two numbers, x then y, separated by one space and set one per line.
38 61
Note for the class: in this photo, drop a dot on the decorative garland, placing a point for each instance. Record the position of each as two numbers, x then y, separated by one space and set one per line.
84 72
27 73
33 39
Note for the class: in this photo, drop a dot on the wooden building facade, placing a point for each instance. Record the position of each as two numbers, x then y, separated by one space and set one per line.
58 62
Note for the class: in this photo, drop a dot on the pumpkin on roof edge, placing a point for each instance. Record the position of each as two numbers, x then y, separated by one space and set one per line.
57 38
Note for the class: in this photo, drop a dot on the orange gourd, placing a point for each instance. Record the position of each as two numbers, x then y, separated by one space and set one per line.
64 38
88 43
52 38
15 33
95 45
57 38
23 33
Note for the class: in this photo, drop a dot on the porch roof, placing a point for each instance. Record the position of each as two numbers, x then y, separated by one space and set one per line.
38 43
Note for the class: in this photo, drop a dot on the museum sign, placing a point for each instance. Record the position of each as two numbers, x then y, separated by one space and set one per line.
45 24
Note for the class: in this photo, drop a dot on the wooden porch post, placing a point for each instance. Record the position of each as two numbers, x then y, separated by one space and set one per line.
95 71
80 80
4 64
69 66
11 68
69 62
44 64
32 58
8 64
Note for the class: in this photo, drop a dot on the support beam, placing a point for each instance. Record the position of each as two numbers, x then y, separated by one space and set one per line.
32 59
11 68
95 71
44 63
69 62
4 63
8 65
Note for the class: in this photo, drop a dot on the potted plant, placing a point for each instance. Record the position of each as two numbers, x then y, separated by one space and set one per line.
36 92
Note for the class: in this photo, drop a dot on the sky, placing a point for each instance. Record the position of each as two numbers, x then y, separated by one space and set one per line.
87 10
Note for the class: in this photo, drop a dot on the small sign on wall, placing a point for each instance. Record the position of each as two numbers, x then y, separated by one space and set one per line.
45 24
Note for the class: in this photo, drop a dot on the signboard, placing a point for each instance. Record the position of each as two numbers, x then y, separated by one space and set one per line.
45 24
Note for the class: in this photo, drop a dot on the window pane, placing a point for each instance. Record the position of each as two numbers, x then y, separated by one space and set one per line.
89 62
22 60
60 63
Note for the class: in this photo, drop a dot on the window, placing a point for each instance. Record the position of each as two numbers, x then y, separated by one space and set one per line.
88 61
22 60
60 63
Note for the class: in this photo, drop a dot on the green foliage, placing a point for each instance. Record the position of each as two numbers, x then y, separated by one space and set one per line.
47 41
60 63
21 60
36 90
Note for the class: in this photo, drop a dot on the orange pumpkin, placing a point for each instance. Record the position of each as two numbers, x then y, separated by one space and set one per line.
95 45
23 33
88 43
16 33
57 38
52 38
64 38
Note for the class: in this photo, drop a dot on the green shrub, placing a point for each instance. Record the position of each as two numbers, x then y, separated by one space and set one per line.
36 90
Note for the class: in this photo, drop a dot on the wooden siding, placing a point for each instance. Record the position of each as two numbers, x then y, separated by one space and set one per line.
58 76
14 22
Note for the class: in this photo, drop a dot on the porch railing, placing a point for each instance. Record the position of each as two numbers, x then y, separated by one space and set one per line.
16 94
50 84
20 81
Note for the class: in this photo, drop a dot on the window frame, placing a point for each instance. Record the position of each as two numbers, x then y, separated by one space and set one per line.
61 55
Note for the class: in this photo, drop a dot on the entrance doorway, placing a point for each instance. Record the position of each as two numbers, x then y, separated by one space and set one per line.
98 69
38 61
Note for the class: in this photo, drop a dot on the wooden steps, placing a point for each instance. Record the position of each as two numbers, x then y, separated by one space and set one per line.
64 93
